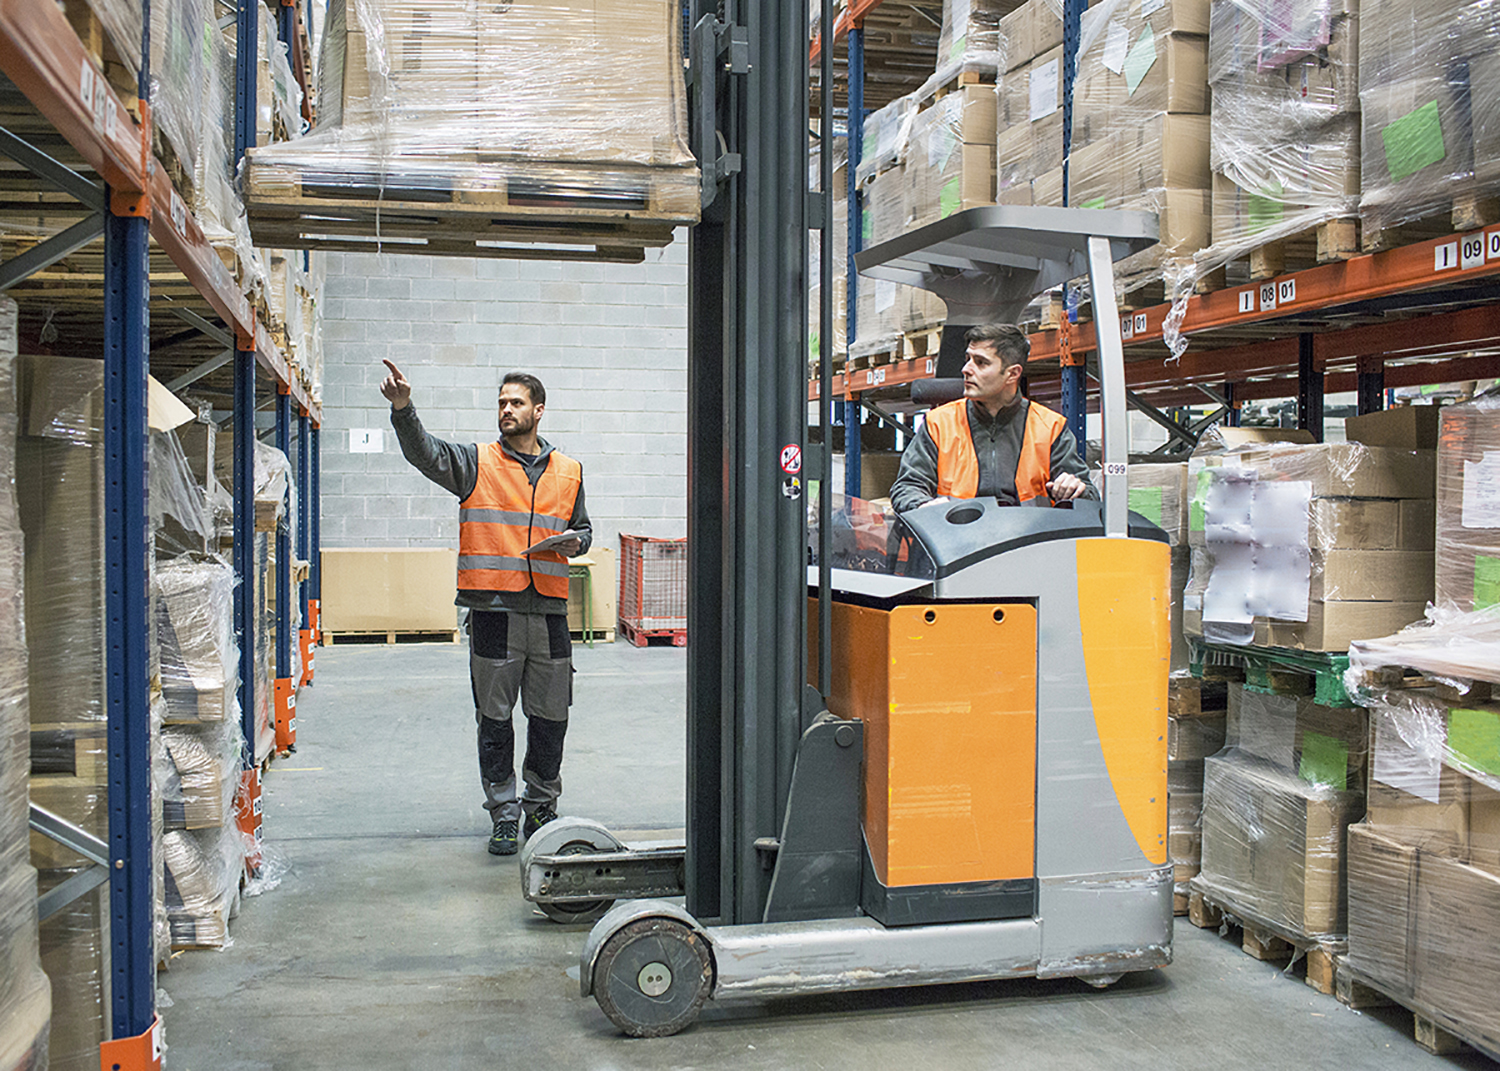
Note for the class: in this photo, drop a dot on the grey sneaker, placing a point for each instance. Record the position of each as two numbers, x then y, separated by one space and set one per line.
544 813
503 839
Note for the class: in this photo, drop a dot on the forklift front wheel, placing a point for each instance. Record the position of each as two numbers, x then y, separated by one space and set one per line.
652 977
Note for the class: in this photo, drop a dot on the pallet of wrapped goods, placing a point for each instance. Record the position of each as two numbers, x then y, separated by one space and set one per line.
969 51
839 251
1468 505
1285 134
1158 492
1141 128
202 884
1276 803
1430 118
879 302
1424 866
475 130
1284 554
1028 136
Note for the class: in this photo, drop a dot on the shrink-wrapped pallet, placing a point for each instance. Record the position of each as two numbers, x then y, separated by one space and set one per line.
838 250
1306 545
1468 505
969 42
1158 492
1276 803
1140 124
195 626
879 302
1285 131
201 773
568 116
950 158
25 995
1430 117
202 884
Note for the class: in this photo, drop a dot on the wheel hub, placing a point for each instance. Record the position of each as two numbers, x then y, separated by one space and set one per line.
655 978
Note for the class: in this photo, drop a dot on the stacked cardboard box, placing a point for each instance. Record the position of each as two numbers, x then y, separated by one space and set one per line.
25 995
1029 139
1140 122
202 877
1431 125
1306 545
1196 713
1158 492
969 40
839 250
1468 505
879 303
1286 147
1276 803
950 163
1424 867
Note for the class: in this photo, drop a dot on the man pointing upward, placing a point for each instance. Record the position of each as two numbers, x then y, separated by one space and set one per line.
513 493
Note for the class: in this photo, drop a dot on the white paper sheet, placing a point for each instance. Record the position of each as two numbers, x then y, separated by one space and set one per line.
1481 506
1402 766
1116 46
1044 90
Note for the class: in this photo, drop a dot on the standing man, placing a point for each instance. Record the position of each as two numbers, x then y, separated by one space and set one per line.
512 494
992 442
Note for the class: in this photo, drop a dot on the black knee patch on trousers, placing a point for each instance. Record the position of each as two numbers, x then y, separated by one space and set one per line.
497 750
544 747
559 642
490 632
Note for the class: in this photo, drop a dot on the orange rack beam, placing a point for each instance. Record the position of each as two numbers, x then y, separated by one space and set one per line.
852 15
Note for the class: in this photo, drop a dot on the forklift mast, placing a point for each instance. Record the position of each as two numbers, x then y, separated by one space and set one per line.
747 704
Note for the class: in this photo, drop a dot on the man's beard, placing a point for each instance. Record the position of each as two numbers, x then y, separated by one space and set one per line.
522 426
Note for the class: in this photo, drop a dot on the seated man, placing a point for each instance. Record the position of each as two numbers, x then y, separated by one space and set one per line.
992 442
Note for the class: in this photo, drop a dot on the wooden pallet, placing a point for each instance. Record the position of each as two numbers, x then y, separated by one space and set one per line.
1262 941
608 213
642 637
1318 675
1432 1030
601 635
1192 697
1329 241
1465 212
332 638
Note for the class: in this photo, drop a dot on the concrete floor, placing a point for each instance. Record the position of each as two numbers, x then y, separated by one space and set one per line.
395 941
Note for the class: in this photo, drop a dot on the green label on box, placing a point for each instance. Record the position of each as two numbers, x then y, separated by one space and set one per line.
867 227
812 344
1414 141
958 47
1267 207
1196 518
1474 739
1325 761
951 198
1097 202
1140 60
1147 502
1486 581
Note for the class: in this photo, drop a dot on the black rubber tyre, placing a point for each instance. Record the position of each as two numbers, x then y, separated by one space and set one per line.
575 911
652 977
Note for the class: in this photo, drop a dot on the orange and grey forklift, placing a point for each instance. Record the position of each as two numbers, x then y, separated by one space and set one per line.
947 764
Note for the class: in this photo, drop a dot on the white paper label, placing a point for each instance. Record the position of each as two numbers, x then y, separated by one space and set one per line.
885 294
1044 82
1286 291
1445 256
1247 300
1267 297
1116 46
366 440
1492 244
1481 506
1402 766
1471 251
1151 7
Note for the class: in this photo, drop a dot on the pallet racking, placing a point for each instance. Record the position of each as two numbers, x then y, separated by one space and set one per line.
85 158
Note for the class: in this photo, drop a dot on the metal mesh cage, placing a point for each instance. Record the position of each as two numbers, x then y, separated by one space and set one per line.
653 584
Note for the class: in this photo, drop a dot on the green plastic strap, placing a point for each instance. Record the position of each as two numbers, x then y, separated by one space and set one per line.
1325 761
1147 502
1414 141
1486 581
1474 739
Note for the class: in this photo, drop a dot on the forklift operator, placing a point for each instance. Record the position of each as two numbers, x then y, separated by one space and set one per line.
992 442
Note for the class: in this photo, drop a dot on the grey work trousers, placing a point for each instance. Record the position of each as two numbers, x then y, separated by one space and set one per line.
530 656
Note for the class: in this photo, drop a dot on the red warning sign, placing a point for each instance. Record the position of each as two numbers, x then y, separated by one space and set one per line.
791 459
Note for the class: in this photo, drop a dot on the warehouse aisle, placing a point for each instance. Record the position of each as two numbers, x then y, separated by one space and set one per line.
395 942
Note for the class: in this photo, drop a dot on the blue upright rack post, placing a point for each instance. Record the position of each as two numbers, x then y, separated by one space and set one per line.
856 124
1074 382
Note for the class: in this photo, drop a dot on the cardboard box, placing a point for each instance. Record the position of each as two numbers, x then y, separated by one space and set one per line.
1047 188
1468 507
1457 965
1333 626
1350 470
1194 738
404 589
1441 827
600 562
1412 427
1371 575
1484 827
1382 903
1371 524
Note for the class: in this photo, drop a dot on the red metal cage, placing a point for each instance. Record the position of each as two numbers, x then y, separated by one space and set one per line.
653 589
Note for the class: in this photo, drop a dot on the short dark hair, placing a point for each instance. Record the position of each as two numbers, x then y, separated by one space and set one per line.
1007 340
530 382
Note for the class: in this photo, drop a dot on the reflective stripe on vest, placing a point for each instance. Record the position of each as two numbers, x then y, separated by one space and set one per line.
958 465
504 515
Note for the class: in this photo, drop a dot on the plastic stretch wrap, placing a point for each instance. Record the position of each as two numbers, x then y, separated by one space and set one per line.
950 156
1158 492
201 775
181 50
25 994
1140 124
1468 505
195 626
273 481
1029 144
886 133
265 647
179 510
1184 820
278 97
1424 868
1276 803
1286 145
969 39
540 97
879 302
202 869
121 21
839 250
1450 645
1430 116
215 203
1286 554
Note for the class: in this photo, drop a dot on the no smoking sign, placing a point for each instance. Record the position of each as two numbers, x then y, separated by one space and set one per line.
791 459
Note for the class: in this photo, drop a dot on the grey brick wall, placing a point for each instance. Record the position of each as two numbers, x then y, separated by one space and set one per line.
609 341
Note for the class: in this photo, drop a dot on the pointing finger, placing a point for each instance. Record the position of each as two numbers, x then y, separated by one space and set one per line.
395 372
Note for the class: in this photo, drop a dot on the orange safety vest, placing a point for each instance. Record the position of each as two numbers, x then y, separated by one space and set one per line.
504 515
958 465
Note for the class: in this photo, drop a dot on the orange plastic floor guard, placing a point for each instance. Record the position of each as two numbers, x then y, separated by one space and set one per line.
286 715
305 640
141 1053
315 615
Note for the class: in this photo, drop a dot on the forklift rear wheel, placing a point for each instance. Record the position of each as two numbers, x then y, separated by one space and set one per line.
652 977
578 911
1102 981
